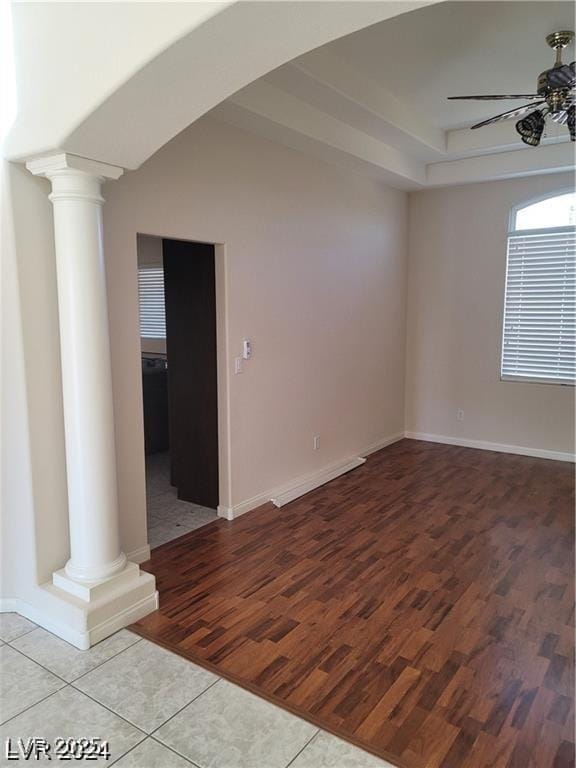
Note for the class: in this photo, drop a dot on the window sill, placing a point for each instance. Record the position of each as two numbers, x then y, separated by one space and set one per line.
531 380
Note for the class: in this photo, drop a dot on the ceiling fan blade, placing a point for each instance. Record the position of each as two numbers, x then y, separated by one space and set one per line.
509 114
562 77
560 117
490 98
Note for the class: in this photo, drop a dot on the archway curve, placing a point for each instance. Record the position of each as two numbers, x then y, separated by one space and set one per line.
231 49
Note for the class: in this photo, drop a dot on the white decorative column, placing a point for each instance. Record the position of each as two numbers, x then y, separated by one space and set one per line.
97 569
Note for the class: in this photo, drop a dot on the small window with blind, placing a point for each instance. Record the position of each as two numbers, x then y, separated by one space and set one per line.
151 300
539 342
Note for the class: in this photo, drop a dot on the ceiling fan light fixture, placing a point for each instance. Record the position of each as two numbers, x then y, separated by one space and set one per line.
571 112
531 128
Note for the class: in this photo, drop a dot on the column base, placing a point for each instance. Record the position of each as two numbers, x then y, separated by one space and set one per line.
83 614
89 591
99 574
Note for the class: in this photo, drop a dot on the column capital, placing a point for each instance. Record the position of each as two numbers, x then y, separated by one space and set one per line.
74 177
57 163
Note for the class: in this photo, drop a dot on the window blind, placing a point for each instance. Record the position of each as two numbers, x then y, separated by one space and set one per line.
151 299
539 312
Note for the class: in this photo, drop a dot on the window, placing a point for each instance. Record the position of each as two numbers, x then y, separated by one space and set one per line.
539 310
151 299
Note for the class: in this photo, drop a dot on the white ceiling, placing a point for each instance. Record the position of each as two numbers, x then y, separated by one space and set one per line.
376 99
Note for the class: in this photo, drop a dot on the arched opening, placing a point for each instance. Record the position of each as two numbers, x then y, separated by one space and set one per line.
157 89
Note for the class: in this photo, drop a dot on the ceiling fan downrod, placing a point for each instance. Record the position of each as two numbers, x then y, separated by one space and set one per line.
558 41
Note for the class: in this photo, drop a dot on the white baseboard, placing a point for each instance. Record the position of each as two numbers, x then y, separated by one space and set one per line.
122 619
302 485
292 490
21 607
46 621
139 555
299 486
82 639
231 513
383 443
483 445
9 605
309 483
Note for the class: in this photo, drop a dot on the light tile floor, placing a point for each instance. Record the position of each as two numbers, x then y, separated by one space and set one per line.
156 709
168 516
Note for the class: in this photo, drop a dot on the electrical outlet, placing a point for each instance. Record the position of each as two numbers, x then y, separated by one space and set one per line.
238 365
460 414
316 442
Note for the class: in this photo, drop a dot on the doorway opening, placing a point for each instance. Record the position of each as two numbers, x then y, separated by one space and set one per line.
177 303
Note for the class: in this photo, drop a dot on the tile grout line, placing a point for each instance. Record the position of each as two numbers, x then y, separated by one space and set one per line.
116 759
70 682
105 706
105 661
17 650
128 752
310 740
5 722
70 685
219 679
34 628
166 746
145 734
139 728
138 743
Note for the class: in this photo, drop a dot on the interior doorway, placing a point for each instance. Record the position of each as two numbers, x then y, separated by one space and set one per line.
177 302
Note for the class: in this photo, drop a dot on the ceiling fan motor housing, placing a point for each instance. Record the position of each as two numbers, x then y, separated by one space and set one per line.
554 84
557 98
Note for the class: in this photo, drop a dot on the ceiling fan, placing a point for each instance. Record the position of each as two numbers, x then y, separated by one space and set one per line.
555 97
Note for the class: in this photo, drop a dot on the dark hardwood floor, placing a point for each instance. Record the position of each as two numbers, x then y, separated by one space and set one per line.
420 606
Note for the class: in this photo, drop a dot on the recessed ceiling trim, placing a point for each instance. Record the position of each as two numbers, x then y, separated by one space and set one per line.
343 79
554 158
269 102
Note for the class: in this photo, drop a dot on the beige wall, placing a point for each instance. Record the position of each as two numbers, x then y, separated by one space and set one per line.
312 271
457 247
